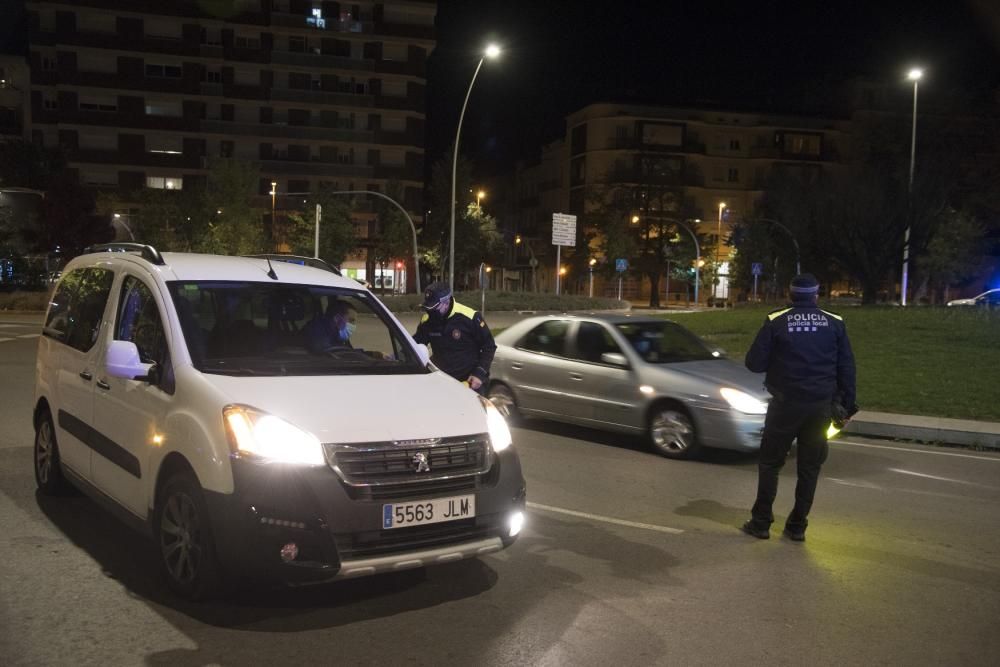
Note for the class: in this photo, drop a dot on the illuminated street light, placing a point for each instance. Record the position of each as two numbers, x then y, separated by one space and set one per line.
591 265
635 219
718 244
914 75
492 52
480 196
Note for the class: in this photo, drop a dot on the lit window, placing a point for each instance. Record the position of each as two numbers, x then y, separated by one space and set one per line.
163 109
165 182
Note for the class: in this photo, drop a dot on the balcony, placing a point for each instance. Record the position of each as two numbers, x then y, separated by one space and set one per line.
405 30
287 131
690 145
286 20
399 173
317 60
631 175
282 167
826 154
321 97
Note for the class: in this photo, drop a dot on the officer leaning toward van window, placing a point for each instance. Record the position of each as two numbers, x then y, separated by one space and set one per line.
461 343
810 373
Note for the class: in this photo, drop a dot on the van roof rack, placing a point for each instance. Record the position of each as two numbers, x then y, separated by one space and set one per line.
147 252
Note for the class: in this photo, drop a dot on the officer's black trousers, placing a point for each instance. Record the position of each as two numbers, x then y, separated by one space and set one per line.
785 422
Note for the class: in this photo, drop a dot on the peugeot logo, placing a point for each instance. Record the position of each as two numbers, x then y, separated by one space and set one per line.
421 463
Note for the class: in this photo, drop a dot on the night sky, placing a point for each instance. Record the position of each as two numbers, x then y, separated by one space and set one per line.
562 55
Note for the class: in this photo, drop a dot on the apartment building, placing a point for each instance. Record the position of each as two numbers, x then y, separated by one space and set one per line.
14 95
143 93
704 158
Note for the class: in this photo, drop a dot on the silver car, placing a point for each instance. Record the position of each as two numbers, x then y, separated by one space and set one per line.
629 374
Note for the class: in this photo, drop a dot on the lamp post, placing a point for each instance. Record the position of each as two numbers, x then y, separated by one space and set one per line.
591 266
480 196
718 247
492 51
914 75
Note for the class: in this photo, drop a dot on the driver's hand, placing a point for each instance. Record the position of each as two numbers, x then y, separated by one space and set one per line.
475 383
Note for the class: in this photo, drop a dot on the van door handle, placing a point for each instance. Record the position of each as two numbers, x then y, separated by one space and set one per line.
516 365
576 376
86 375
101 384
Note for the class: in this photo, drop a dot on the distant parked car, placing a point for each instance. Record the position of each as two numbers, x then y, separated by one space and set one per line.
988 299
631 375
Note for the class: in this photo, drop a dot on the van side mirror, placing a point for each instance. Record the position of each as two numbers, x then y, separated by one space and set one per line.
615 359
122 361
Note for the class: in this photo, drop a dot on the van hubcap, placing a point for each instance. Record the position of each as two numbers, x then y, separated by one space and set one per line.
43 452
180 538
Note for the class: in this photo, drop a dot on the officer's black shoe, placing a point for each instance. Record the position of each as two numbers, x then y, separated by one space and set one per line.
750 528
794 533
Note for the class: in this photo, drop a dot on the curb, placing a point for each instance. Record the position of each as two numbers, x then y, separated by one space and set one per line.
963 432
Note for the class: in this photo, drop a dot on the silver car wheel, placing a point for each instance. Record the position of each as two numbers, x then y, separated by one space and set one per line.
672 432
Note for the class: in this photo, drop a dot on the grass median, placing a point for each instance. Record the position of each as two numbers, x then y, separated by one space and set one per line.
942 362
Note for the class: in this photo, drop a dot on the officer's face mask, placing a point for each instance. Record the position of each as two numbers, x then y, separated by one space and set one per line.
347 330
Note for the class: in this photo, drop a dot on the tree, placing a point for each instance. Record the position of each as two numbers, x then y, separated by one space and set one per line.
394 239
953 253
437 226
67 219
231 225
477 240
170 220
337 235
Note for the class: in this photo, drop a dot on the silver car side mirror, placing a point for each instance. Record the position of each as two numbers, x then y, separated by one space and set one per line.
614 358
122 361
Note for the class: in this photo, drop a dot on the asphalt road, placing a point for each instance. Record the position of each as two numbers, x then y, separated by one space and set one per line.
627 559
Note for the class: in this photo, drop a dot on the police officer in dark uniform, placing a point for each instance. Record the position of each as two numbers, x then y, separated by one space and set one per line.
461 343
810 373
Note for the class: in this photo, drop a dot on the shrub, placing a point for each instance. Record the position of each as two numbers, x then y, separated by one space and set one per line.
24 301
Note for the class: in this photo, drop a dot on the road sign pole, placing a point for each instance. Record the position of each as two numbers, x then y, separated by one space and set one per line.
755 287
619 287
558 260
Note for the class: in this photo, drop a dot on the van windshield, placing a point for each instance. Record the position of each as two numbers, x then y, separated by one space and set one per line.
252 328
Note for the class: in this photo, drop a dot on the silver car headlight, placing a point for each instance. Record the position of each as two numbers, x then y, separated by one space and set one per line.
499 432
264 437
743 402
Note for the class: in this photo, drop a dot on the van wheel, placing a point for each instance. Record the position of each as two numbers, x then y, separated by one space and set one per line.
48 472
502 397
184 537
672 433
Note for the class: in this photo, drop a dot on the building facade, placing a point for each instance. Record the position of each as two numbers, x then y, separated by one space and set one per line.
15 87
142 94
713 164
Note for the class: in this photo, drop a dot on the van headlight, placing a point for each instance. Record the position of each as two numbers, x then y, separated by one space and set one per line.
744 402
500 436
258 435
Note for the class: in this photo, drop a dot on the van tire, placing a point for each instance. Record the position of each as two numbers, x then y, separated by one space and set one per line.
48 469
184 539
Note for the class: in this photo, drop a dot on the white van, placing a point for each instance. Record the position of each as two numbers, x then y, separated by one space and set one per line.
259 418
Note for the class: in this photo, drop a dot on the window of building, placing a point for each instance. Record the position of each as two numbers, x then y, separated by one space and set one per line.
162 28
164 144
101 141
393 158
160 70
801 144
213 76
164 108
247 41
246 77
50 103
394 88
165 182
95 22
212 36
97 62
346 157
94 175
48 63
734 144
733 176
225 149
297 44
98 103
662 134
394 123
394 51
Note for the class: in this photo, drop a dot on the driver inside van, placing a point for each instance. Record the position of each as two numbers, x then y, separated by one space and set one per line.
331 329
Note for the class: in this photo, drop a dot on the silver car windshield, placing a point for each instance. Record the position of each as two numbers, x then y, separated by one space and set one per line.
665 342
253 328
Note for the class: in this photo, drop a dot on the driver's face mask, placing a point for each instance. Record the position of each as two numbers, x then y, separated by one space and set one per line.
348 330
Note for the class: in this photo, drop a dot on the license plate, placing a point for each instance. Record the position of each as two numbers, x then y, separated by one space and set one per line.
400 515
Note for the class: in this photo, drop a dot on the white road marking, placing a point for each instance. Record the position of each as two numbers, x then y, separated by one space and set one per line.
940 479
916 451
861 485
607 519
3 340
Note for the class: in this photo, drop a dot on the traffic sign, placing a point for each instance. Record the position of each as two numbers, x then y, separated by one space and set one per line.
621 265
757 269
563 229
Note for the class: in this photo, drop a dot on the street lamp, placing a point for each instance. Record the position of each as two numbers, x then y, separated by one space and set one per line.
914 75
480 196
591 265
492 51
